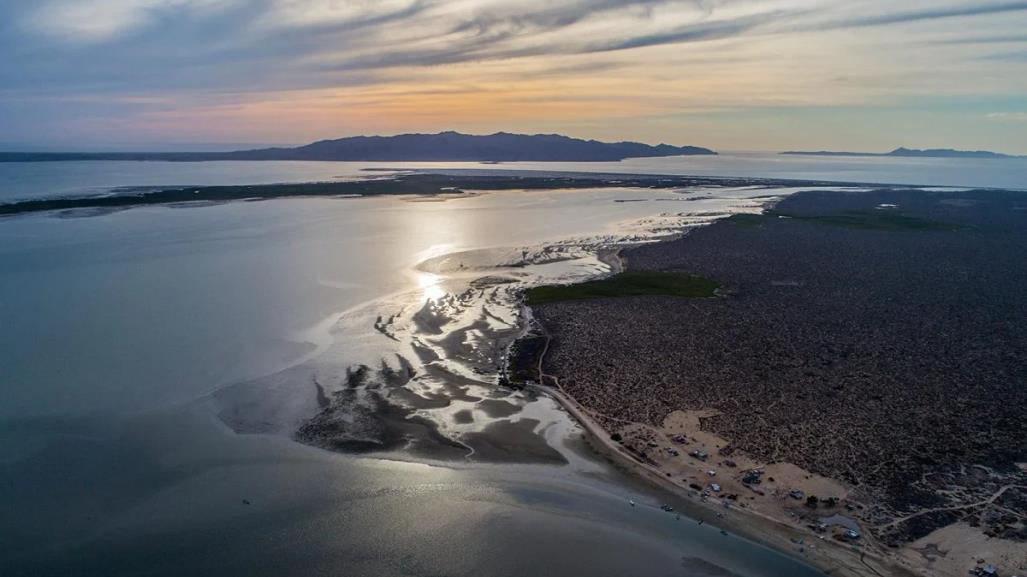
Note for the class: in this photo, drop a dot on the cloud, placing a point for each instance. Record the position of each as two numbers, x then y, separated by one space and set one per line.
552 32
1016 56
975 8
554 15
267 62
1009 116
1000 39
103 20
699 32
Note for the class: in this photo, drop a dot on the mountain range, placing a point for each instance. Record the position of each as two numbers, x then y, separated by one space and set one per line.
913 152
444 146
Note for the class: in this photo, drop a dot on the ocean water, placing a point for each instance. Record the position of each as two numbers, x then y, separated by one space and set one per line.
44 179
155 362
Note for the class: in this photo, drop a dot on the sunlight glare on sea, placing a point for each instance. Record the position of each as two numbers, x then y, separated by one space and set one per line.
431 286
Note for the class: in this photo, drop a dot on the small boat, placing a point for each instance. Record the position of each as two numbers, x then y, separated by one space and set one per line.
631 502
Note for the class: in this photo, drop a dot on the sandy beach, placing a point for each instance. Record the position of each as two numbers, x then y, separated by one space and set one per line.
831 557
768 518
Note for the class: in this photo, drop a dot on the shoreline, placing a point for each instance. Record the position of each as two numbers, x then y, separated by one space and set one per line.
833 559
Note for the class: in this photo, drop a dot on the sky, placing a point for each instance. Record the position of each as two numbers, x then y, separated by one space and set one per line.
728 74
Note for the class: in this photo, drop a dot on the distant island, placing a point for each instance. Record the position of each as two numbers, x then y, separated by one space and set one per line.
444 146
912 152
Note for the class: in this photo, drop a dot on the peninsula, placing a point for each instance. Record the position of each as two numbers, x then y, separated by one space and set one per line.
856 375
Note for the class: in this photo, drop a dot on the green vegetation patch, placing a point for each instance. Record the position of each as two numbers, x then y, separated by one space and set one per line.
522 362
873 220
627 284
746 220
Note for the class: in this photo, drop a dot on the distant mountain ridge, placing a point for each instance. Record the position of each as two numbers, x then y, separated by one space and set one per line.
444 146
913 152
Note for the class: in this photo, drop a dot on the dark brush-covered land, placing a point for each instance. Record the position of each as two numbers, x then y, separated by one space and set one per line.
444 146
878 338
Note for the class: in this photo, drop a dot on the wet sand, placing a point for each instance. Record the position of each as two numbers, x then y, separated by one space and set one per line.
508 441
432 358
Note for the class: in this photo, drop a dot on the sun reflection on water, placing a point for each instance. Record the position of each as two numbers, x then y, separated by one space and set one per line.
431 286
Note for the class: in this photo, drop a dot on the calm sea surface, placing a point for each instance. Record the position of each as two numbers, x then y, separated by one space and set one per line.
116 331
42 179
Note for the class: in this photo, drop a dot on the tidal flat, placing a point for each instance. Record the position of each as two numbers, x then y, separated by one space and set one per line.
160 364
